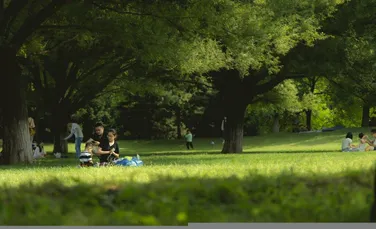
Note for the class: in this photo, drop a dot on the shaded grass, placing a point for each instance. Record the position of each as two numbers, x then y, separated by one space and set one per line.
255 198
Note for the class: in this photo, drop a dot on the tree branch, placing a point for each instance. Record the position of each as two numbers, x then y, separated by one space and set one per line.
61 27
33 22
13 9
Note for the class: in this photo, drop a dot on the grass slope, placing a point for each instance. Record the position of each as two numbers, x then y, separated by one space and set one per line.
280 178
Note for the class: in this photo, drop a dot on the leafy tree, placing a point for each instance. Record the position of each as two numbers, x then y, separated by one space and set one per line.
18 21
281 101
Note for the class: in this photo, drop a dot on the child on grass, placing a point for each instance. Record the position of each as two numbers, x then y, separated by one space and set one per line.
86 157
189 140
364 144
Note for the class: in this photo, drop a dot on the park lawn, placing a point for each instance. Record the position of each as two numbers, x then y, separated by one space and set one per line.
287 185
280 142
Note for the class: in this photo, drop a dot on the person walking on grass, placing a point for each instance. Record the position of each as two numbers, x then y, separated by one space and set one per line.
78 135
189 140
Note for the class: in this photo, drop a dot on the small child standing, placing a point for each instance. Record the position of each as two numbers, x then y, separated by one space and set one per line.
189 140
86 157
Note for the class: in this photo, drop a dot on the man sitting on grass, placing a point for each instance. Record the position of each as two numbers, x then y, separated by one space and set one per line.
98 137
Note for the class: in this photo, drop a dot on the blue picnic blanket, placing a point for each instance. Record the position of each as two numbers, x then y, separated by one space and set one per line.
129 161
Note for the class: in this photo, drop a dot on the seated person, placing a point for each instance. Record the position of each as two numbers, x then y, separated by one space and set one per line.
347 145
86 158
38 150
108 150
365 144
98 137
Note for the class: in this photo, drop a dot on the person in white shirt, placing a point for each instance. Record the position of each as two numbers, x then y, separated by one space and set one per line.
347 145
78 135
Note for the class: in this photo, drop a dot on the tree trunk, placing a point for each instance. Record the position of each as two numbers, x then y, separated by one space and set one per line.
276 125
365 116
59 131
16 137
234 129
234 110
60 146
309 119
178 122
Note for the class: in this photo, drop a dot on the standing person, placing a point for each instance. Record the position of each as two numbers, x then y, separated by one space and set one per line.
223 128
189 140
31 128
78 135
109 150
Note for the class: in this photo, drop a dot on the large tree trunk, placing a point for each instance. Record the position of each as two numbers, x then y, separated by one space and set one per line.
16 137
309 119
276 125
59 131
365 116
234 129
234 110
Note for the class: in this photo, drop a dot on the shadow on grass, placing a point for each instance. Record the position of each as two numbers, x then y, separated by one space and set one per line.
255 198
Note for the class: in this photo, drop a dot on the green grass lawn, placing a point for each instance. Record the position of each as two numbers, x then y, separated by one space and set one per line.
279 178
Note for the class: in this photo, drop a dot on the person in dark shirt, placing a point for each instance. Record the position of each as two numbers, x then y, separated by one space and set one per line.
108 150
98 136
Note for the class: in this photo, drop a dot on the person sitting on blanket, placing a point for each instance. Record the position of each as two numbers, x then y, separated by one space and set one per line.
108 150
86 159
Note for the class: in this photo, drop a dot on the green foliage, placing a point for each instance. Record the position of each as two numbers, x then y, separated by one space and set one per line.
281 103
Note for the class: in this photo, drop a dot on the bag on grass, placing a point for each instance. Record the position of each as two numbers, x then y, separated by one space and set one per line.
129 161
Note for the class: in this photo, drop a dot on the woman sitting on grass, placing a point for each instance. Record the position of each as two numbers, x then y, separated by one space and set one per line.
108 150
347 145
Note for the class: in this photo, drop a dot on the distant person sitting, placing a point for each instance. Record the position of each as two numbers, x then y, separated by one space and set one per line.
373 142
347 145
86 158
189 140
38 150
109 149
365 144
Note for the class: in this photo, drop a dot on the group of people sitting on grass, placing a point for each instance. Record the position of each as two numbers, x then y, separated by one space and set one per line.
102 145
365 144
